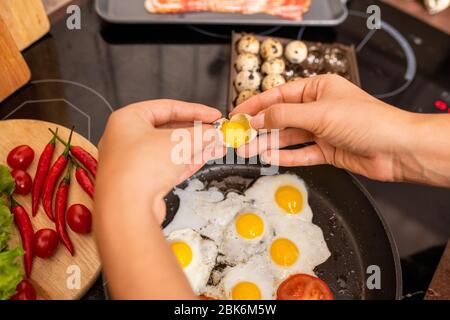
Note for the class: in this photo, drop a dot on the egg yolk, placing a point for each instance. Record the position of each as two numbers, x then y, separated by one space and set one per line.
290 199
249 226
182 252
284 252
235 133
245 291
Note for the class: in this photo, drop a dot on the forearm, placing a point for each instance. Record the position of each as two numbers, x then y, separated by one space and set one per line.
136 259
428 158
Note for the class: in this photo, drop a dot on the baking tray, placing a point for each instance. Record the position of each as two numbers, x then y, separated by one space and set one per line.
349 51
321 13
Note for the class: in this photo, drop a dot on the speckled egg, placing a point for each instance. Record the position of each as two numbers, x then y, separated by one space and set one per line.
244 96
247 61
274 66
248 44
271 49
272 80
296 52
247 80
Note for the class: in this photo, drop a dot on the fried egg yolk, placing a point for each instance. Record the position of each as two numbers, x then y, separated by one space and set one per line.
245 291
284 252
249 226
290 199
182 252
236 132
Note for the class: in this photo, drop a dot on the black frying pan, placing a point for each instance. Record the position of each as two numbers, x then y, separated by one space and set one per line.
355 232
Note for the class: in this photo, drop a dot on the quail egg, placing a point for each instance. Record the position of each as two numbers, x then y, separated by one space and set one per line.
271 81
244 96
237 131
247 80
296 52
271 49
274 66
248 44
247 61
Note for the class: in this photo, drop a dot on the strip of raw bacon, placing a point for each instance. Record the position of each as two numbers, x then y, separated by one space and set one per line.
289 9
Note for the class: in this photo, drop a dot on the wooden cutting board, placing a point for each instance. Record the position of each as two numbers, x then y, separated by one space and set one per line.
14 71
50 277
26 20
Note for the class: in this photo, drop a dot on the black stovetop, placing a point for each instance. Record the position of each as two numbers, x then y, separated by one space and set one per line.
80 76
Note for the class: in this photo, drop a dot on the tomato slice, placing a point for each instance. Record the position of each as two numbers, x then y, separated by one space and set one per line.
303 287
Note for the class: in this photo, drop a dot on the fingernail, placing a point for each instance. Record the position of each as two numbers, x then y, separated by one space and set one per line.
264 158
258 121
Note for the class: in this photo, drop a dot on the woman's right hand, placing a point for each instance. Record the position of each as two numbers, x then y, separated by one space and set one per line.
350 128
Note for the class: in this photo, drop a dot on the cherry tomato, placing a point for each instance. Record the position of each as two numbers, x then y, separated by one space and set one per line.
23 181
25 291
303 287
79 218
45 243
20 157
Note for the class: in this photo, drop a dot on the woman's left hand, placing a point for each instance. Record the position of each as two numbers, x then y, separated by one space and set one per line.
138 165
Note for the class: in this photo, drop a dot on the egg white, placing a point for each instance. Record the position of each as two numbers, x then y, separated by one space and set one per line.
204 253
262 194
257 271
308 239
237 249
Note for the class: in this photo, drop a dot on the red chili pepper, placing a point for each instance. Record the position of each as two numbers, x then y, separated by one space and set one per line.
85 158
85 181
23 222
44 163
52 177
62 194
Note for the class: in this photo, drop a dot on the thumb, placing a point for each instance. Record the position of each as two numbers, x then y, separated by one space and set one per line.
307 116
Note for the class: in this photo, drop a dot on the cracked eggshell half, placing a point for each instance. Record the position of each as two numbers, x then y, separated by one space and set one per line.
236 131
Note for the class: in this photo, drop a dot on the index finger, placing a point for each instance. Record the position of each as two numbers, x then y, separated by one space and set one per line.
302 90
160 112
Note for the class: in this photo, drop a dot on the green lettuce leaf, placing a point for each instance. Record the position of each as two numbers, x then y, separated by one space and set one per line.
6 221
7 184
10 272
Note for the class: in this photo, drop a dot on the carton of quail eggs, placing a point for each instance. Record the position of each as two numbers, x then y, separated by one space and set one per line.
260 63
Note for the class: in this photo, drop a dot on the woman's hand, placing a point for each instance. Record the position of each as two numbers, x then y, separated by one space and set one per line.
137 168
136 149
351 130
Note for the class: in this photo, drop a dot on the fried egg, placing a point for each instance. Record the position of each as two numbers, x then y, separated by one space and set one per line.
297 247
250 281
245 236
205 211
283 194
197 256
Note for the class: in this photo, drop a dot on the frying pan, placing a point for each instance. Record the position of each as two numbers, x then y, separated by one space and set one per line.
355 232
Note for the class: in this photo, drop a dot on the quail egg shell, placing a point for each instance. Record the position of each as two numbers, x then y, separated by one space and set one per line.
245 95
271 49
248 44
247 61
237 131
272 80
247 80
296 51
274 66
